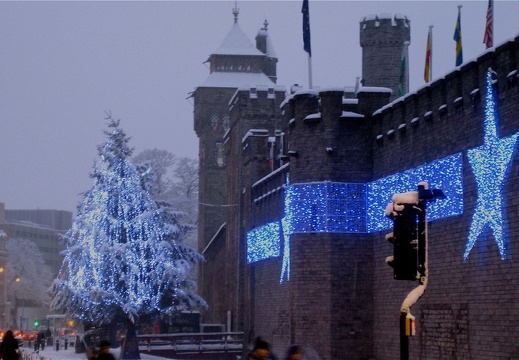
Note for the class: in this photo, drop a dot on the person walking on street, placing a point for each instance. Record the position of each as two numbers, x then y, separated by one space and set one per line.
104 351
9 347
294 352
261 351
40 339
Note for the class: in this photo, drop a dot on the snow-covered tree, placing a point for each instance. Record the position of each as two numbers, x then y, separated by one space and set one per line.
30 277
124 259
174 181
161 162
184 188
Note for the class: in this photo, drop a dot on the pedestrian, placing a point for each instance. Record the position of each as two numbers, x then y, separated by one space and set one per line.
41 340
294 352
104 351
9 347
261 350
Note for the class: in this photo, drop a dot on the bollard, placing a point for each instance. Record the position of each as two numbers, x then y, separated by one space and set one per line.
57 344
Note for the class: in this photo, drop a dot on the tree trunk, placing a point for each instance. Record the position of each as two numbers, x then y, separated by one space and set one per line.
130 346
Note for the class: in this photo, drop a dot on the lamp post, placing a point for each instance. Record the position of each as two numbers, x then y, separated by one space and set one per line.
17 280
4 308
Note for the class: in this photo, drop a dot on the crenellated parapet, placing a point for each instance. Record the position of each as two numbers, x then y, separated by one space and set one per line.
445 116
328 137
384 29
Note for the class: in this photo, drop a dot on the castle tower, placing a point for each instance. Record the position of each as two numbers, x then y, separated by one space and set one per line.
234 63
383 40
264 45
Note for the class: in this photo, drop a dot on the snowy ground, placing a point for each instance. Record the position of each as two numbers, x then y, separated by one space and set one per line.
70 354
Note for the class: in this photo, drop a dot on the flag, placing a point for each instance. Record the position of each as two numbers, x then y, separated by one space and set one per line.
402 80
489 27
306 28
457 38
428 57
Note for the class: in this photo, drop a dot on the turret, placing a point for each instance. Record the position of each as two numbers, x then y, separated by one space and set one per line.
383 40
264 45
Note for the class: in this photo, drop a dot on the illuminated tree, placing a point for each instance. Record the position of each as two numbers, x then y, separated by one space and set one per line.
124 259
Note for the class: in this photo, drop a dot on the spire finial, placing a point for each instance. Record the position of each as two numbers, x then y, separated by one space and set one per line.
265 24
235 11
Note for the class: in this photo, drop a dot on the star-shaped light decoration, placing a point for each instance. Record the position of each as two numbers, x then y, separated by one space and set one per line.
490 163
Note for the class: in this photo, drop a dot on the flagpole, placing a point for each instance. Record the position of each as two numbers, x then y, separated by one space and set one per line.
406 45
309 71
306 39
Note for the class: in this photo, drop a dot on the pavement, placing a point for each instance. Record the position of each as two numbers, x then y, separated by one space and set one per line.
51 354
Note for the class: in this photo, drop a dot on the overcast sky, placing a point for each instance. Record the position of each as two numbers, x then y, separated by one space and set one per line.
64 64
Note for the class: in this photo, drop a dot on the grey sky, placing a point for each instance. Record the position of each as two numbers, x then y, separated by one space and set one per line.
63 64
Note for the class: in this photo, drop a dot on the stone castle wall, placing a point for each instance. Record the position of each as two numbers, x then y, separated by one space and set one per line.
467 311
342 296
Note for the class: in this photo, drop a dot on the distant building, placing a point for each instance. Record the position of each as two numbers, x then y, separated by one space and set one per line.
293 193
42 227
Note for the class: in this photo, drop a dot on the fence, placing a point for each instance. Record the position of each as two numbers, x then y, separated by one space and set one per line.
191 344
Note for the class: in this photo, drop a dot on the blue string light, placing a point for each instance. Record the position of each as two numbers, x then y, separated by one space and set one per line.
263 242
445 174
490 163
335 207
356 208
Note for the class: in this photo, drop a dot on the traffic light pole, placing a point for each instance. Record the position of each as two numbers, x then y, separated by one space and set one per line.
404 339
415 294
406 319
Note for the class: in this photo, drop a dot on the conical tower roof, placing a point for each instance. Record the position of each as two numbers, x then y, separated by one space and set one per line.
236 43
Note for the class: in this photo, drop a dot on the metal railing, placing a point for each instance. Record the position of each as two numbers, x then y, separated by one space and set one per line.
192 342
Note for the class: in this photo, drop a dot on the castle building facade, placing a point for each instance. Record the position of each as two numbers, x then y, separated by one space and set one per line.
298 254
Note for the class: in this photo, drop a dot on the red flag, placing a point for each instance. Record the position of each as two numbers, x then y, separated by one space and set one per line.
428 57
489 28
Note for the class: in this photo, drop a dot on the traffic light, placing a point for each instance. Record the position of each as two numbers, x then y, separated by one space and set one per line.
404 239
36 323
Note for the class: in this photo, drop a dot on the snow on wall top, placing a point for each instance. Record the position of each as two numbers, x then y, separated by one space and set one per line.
385 16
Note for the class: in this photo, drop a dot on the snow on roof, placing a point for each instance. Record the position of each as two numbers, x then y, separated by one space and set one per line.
237 43
312 92
236 79
351 115
332 89
369 17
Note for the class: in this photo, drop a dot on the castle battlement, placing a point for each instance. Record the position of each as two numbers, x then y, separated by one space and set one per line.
438 107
